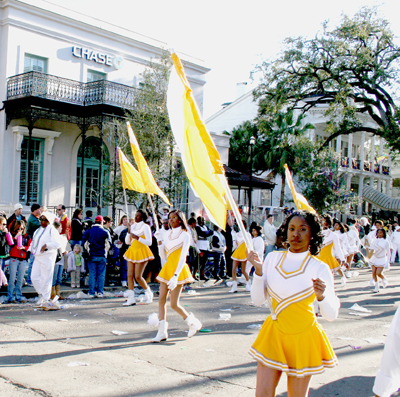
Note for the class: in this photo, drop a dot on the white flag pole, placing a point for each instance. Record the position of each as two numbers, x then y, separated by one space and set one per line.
126 204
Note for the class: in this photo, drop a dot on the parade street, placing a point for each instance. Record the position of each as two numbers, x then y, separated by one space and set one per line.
74 351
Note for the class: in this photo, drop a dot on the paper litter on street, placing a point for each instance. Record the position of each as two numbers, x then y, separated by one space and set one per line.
225 310
77 364
225 316
62 319
355 347
254 326
192 292
119 332
358 308
359 314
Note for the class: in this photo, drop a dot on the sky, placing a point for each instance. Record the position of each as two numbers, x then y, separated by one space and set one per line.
230 36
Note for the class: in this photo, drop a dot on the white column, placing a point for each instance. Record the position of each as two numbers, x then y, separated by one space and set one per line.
350 148
339 145
372 159
362 151
381 144
389 186
348 181
360 194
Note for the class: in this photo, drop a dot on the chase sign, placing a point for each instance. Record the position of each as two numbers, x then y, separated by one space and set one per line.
98 57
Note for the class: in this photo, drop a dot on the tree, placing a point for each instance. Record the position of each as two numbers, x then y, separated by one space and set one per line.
322 184
150 122
353 67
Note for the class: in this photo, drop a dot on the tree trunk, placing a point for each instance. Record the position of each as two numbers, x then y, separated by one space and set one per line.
283 176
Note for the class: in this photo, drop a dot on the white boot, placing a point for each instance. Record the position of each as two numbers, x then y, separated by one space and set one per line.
376 289
372 282
248 286
234 287
193 323
162 334
343 282
124 284
385 282
131 298
148 294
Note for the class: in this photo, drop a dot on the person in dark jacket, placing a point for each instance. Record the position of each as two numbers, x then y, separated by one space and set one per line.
97 241
4 247
76 228
16 216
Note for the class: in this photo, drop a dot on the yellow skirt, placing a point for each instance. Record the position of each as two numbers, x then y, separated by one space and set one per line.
298 352
138 253
240 254
169 268
326 256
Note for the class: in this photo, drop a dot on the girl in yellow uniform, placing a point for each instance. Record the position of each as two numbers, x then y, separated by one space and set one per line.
173 247
291 340
138 255
240 256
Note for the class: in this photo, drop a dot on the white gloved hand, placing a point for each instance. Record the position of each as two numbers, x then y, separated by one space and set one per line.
173 282
197 250
158 235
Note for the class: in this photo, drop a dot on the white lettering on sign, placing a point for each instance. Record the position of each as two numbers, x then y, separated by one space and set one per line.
91 55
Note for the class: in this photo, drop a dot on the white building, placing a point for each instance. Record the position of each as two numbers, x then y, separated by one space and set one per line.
359 151
64 79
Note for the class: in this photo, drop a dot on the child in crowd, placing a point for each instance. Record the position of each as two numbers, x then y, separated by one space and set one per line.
76 265
18 262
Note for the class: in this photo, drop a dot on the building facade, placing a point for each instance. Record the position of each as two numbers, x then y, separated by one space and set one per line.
66 79
365 159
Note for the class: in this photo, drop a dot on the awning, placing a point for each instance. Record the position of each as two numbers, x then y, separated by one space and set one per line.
380 200
238 179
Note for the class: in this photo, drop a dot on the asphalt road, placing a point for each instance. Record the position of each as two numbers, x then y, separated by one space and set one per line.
73 352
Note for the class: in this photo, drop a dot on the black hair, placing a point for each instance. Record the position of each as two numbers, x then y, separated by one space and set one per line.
62 206
182 218
143 214
340 226
89 213
76 213
269 216
191 221
35 207
107 219
315 228
328 219
257 228
384 232
379 222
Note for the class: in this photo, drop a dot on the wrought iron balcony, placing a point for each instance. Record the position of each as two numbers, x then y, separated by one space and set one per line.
42 85
355 164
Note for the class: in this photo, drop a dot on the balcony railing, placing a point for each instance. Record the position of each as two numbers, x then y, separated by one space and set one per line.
368 166
42 85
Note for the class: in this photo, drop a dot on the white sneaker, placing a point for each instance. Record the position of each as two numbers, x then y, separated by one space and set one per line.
100 295
131 301
234 287
148 294
124 284
372 282
72 285
385 282
91 296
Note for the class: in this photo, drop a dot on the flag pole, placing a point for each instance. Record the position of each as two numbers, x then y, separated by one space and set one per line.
228 194
154 212
126 203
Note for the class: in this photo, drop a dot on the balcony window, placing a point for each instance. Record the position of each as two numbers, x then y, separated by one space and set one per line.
33 63
93 75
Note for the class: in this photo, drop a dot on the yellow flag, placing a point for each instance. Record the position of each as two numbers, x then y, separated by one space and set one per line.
131 178
300 201
144 170
200 156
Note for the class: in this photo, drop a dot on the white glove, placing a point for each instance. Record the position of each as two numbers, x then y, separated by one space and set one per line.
158 235
197 250
173 282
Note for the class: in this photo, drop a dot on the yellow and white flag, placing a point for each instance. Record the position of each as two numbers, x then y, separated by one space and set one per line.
131 178
200 156
147 176
300 201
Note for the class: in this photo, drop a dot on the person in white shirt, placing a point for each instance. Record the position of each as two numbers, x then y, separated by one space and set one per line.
380 258
269 234
45 242
395 244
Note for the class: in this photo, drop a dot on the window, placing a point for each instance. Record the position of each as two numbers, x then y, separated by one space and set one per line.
93 75
36 171
35 63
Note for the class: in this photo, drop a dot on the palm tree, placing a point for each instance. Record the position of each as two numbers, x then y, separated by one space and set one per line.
277 144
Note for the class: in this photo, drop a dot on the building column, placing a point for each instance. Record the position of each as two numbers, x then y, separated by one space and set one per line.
350 148
372 159
360 194
362 151
381 143
339 145
348 181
